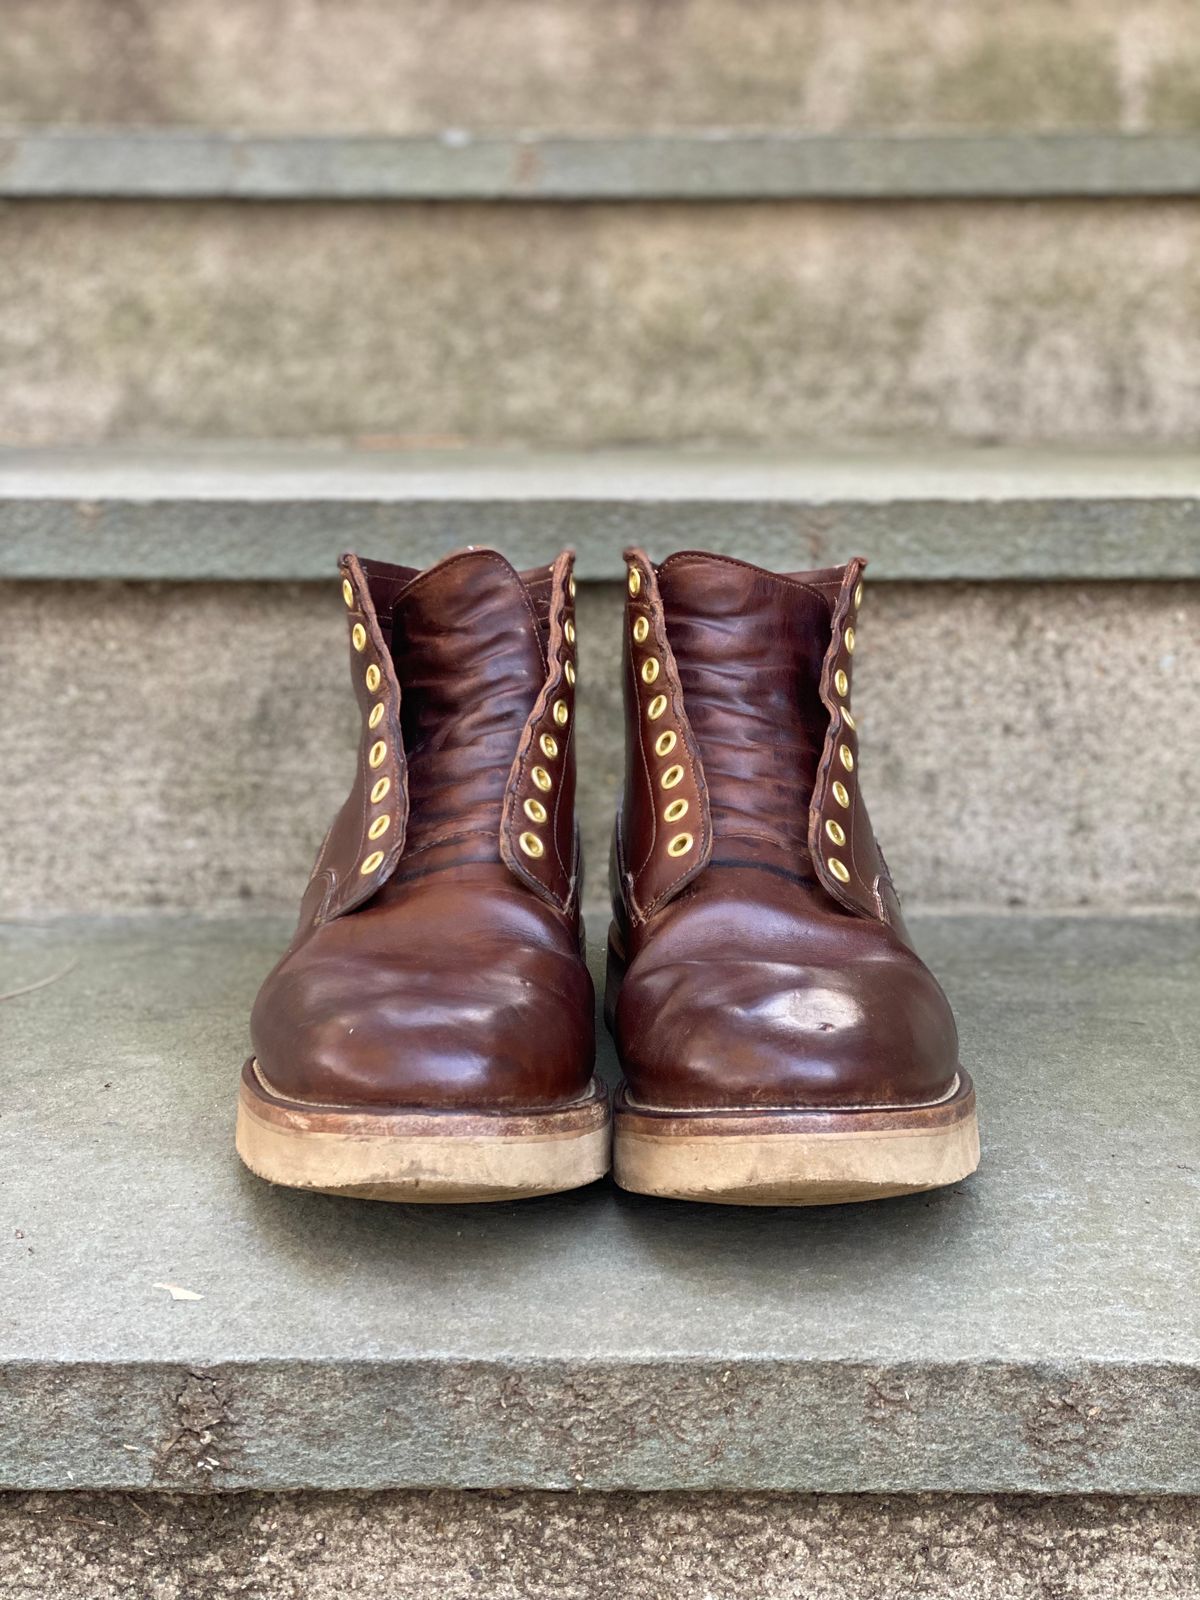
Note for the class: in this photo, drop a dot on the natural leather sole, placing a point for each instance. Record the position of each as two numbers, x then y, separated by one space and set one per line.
421 1157
750 1157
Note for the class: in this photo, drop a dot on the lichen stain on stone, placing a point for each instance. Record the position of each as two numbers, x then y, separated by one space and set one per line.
1067 1428
527 167
200 1441
590 1427
887 1403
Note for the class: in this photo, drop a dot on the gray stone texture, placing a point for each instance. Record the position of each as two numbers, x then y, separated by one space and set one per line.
209 510
1032 1328
711 165
570 65
444 1546
185 746
600 324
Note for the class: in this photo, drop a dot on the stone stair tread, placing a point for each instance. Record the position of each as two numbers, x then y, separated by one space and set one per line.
921 510
704 164
1031 1329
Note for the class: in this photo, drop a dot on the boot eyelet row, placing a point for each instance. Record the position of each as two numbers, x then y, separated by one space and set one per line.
382 787
649 672
531 845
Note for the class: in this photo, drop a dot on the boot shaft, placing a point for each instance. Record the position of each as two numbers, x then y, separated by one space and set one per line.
465 679
741 747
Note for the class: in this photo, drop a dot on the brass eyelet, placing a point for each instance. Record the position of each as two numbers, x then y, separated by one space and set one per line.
835 831
672 777
641 629
571 586
656 707
569 673
849 638
841 794
532 845
535 810
680 844
846 757
841 682
347 592
569 630
372 861
650 669
848 719
561 713
665 742
542 778
549 746
380 791
838 868
378 752
373 677
379 827
376 716
676 811
858 593
358 636
635 582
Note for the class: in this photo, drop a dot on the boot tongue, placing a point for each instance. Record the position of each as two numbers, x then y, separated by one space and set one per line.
468 656
749 646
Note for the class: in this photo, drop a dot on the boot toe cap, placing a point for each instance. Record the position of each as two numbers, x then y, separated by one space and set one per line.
774 1033
512 1032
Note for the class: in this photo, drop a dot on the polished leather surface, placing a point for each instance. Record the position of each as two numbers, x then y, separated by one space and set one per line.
437 965
761 978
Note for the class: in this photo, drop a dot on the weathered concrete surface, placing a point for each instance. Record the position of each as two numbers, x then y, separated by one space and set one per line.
429 64
444 1546
712 165
185 746
602 324
277 511
1032 1328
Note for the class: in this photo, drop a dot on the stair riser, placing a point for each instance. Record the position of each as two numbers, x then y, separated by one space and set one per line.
600 324
374 65
185 746
537 1545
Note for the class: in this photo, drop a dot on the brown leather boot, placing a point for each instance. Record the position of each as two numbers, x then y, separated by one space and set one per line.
781 1042
429 1034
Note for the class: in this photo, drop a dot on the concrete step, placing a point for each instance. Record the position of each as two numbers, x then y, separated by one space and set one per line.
286 512
605 324
209 732
399 67
1030 1330
534 1545
707 165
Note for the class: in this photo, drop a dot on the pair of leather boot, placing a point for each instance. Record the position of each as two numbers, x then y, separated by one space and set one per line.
428 1035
